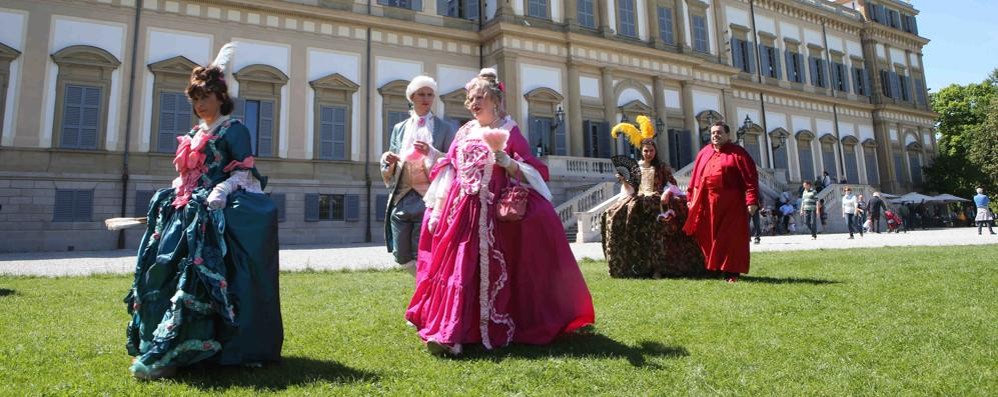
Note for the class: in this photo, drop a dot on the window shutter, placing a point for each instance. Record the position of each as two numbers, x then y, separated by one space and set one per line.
872 174
560 141
239 110
83 205
604 143
143 199
587 138
280 201
266 132
750 55
828 160
352 204
806 161
867 83
852 173
685 152
417 5
91 117
311 207
380 204
166 141
325 133
340 133
914 25
72 116
63 211
736 54
790 65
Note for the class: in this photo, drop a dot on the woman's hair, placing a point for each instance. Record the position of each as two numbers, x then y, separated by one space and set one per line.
210 81
488 81
651 142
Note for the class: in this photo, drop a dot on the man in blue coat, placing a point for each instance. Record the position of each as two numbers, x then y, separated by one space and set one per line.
414 146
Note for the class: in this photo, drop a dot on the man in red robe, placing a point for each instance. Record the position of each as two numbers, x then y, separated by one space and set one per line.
723 194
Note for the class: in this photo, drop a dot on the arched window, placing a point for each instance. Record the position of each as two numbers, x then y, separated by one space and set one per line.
805 155
849 145
83 89
827 142
914 151
779 138
870 158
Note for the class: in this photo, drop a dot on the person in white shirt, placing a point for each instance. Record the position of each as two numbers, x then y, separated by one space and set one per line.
414 146
849 210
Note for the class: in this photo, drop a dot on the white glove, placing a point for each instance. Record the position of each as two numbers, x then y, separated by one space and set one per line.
432 224
503 159
220 193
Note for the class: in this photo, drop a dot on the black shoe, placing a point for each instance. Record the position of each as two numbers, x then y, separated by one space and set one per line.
757 239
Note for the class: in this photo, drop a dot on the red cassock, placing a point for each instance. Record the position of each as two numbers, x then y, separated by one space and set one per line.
723 184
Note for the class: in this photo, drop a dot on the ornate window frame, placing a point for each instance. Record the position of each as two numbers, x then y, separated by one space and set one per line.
89 66
333 90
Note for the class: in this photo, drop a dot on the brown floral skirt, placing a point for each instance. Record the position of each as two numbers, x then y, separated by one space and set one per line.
638 244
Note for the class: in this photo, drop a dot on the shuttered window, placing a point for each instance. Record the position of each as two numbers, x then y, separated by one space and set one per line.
142 201
770 61
415 5
80 117
840 79
819 73
175 119
380 204
258 117
596 140
467 9
73 205
332 133
828 159
280 201
742 56
332 207
795 67
899 168
916 168
540 136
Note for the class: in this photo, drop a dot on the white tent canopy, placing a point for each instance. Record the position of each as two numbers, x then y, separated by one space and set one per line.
913 197
949 198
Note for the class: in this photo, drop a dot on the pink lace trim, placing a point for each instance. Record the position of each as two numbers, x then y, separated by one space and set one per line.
189 163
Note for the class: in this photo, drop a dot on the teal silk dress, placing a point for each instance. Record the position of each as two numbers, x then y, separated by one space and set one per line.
206 282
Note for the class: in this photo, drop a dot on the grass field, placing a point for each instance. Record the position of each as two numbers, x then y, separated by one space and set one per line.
890 321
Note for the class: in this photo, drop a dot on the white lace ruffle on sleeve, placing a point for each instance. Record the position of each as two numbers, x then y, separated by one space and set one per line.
439 187
535 179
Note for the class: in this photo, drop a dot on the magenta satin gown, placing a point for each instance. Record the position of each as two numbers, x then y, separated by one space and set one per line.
533 289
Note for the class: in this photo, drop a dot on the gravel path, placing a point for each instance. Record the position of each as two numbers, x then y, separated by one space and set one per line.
374 256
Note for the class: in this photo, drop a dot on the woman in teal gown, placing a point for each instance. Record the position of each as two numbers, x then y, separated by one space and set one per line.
206 278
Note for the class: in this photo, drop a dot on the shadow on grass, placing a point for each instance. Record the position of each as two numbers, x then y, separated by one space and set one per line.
788 280
291 371
580 346
5 292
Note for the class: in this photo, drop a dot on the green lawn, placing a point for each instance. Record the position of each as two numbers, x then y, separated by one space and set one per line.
891 321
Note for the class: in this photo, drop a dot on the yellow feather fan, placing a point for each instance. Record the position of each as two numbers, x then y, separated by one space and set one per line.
635 136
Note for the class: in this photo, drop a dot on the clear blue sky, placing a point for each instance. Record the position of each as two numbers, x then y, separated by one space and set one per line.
964 40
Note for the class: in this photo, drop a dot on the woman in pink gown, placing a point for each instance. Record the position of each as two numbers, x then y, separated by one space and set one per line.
484 280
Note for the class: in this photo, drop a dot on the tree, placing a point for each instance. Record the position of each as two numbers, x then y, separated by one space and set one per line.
965 160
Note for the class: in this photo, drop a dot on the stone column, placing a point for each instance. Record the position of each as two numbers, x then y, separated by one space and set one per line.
509 75
569 14
689 121
662 138
601 14
609 100
573 114
679 17
653 36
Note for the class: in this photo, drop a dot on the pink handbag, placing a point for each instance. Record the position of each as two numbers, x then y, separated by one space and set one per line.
513 201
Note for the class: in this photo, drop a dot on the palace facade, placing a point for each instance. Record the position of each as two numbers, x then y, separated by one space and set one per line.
93 96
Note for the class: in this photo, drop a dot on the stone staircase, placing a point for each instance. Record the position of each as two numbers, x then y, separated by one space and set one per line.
580 215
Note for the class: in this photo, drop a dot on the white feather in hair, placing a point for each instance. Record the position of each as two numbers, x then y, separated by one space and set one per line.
124 223
224 60
489 72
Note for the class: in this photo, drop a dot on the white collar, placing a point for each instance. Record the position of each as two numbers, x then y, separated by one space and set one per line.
209 128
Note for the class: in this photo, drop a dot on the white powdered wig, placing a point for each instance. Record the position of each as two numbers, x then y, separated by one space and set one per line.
419 82
489 72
